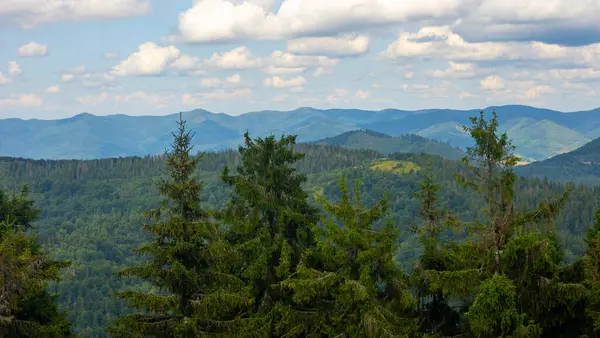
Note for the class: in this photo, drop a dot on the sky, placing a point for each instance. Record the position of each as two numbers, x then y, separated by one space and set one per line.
60 58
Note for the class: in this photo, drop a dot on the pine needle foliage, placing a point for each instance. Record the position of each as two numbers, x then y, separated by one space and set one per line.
514 245
269 226
349 285
26 308
196 296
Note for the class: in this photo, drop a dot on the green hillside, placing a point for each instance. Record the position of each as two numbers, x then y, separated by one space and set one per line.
581 165
92 210
385 144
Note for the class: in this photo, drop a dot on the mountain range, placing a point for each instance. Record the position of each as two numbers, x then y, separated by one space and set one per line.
537 133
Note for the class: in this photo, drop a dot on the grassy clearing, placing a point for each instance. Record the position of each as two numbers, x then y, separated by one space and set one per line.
396 167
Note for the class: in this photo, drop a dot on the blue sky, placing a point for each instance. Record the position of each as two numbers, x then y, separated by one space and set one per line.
60 58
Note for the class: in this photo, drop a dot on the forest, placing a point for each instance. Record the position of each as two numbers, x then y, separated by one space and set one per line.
279 239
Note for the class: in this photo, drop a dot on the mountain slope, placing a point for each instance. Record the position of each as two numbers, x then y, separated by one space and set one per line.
581 165
385 144
86 136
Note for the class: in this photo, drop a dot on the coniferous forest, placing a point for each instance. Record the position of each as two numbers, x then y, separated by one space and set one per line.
279 239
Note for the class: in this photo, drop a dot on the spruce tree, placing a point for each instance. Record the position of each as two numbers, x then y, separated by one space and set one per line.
189 261
26 308
437 315
515 245
349 284
269 222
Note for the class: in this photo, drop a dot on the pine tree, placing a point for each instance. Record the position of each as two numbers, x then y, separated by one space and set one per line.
26 308
189 261
437 315
592 272
269 221
349 285
515 245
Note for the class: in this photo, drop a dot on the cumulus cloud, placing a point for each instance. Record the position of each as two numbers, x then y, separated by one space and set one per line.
67 77
93 99
456 70
492 82
535 92
283 82
361 95
216 82
442 42
4 79
151 59
14 69
155 100
224 20
32 13
22 100
33 49
272 70
237 58
348 45
53 89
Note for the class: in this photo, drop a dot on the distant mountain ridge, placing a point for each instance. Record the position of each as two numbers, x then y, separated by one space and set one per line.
539 133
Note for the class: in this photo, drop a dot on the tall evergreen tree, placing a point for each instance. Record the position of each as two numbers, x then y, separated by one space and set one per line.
26 308
516 246
188 258
269 222
349 284
437 315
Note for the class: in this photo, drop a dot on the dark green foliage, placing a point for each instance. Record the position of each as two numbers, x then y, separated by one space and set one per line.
26 308
385 144
269 223
189 300
349 283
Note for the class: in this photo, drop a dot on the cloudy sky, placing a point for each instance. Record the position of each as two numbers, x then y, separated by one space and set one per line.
59 58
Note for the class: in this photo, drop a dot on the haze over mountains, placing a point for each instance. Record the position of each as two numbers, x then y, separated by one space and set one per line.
537 133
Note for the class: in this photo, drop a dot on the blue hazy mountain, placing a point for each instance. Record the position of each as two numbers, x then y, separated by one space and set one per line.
537 133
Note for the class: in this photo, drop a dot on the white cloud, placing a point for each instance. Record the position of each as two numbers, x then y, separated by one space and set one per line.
111 55
31 13
4 79
216 82
23 100
67 77
361 95
283 82
577 74
535 92
151 59
441 42
186 62
189 99
53 89
238 58
492 82
320 71
222 20
347 45
409 75
93 99
289 60
283 70
33 49
279 98
14 69
296 90
456 70
414 87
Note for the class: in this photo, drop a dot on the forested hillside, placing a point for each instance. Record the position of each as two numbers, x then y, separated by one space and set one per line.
385 144
581 165
92 211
